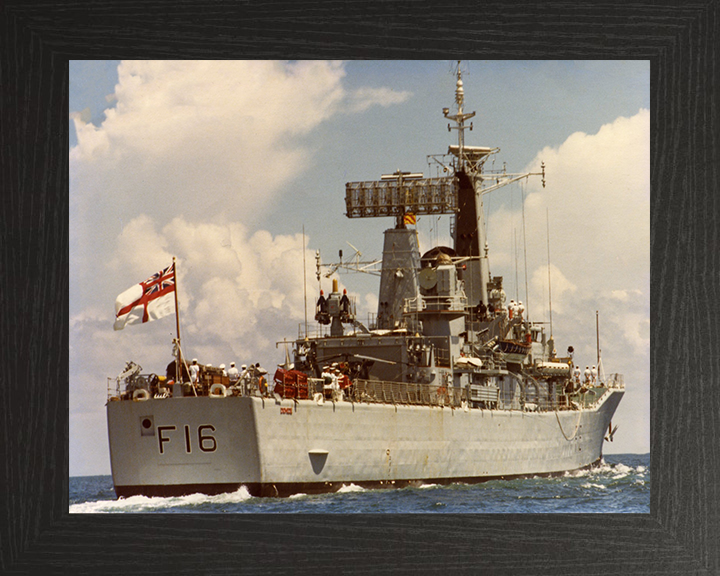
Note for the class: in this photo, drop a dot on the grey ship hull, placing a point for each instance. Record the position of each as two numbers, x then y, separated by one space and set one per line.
166 447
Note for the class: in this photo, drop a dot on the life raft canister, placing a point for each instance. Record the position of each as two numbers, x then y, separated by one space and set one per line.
217 391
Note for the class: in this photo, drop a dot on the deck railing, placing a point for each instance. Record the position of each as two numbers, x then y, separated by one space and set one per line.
384 392
410 393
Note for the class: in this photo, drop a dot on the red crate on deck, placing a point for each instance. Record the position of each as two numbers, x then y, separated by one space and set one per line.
291 384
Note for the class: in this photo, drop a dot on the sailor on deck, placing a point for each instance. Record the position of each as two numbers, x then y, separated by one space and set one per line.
233 378
327 378
257 378
233 374
336 391
594 375
588 375
322 303
345 304
194 370
245 379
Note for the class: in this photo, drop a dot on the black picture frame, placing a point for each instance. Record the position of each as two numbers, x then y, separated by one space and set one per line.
682 531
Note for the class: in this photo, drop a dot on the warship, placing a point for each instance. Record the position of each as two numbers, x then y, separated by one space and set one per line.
448 382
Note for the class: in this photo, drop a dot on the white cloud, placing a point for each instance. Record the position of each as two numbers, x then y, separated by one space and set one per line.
556 285
598 197
364 98
597 203
226 132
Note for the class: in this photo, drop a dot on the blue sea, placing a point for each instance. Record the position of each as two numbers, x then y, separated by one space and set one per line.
620 484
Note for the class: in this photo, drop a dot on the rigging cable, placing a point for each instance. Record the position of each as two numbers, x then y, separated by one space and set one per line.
577 425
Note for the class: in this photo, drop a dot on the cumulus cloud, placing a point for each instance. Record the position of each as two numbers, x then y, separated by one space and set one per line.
238 291
598 191
183 130
596 205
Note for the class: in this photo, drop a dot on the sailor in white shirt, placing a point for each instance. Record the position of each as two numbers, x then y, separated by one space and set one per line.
233 378
194 371
245 378
576 375
233 374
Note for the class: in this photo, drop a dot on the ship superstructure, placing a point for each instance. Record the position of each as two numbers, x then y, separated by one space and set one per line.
449 383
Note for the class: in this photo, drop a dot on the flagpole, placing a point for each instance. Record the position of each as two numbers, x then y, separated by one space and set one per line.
178 356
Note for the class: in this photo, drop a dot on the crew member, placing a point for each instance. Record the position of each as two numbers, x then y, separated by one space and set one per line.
576 375
588 375
233 379
327 377
194 369
337 378
245 379
345 304
258 374
233 374
322 303
594 375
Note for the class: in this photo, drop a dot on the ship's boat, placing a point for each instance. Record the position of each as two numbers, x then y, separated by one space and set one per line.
446 384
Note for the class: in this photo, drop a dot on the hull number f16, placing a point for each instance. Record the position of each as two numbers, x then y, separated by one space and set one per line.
205 440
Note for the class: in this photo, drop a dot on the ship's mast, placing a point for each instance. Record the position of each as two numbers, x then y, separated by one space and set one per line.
470 234
470 240
459 118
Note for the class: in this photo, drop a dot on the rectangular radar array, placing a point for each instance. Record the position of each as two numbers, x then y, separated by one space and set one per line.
387 198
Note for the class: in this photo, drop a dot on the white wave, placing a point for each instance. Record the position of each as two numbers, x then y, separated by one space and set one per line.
147 504
351 488
621 469
596 486
295 496
424 486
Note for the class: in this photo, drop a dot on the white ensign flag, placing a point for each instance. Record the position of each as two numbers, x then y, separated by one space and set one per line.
148 300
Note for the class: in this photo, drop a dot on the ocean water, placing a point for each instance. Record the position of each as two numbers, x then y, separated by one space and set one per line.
621 484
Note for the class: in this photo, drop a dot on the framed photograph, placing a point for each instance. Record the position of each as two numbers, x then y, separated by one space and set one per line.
243 167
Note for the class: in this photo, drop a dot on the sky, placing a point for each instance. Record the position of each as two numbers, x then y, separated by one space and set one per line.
238 169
